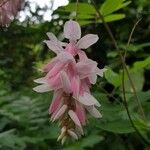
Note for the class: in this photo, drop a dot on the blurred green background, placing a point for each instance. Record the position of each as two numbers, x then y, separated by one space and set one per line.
24 119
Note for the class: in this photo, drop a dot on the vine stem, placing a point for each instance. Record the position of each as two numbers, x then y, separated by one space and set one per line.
124 69
121 57
77 9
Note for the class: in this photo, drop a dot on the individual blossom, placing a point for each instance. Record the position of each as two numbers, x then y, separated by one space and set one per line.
9 9
70 79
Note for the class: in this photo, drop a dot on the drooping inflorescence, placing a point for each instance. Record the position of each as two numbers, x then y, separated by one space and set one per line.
70 79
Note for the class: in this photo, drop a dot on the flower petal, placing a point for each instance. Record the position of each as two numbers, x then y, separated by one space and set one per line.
74 117
72 134
80 111
55 101
54 46
51 36
75 85
60 112
88 100
65 82
100 72
72 30
94 112
87 41
43 88
40 80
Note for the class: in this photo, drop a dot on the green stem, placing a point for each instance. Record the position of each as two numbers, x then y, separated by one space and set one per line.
121 57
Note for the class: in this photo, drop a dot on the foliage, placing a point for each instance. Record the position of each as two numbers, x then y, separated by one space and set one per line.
24 114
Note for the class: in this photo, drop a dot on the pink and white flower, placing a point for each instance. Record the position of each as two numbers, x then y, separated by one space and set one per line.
70 79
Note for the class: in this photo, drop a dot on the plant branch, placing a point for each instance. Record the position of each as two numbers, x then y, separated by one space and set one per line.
121 57
77 9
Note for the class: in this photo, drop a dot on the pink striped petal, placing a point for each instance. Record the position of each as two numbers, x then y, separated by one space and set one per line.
80 113
72 30
75 85
50 65
55 70
60 112
74 117
87 41
40 80
65 82
55 101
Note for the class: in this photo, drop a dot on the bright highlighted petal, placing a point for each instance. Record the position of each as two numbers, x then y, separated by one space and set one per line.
94 112
65 82
54 46
88 100
87 41
42 88
72 30
74 117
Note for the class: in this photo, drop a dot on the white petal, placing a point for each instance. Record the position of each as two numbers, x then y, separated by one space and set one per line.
72 134
63 132
88 100
72 30
87 41
74 117
43 88
100 72
65 82
93 78
51 36
94 112
40 80
63 140
54 46
60 112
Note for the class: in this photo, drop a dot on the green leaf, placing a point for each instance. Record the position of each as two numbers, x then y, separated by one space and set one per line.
114 118
114 17
139 65
82 8
109 6
87 141
138 80
113 77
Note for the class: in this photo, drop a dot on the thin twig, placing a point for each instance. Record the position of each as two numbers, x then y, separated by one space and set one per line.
77 9
121 57
130 37
128 113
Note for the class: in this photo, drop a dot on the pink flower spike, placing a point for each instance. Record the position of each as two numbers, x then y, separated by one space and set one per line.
74 117
72 30
87 41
